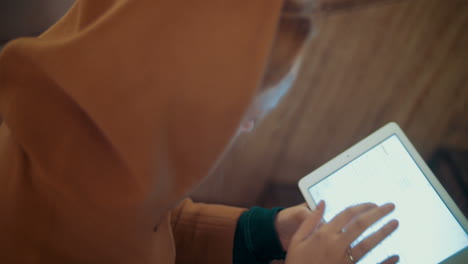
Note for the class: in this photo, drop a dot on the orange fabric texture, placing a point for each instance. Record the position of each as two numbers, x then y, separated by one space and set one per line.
204 233
112 116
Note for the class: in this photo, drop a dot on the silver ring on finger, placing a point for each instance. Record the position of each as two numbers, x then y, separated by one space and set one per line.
350 256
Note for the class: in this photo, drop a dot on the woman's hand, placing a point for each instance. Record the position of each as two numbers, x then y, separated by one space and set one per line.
289 220
317 242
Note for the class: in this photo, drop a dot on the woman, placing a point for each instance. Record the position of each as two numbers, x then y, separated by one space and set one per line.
114 115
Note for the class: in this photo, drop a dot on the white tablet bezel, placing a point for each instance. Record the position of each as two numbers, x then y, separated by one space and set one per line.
363 146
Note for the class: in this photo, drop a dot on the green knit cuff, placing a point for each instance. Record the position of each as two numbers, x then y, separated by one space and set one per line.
256 240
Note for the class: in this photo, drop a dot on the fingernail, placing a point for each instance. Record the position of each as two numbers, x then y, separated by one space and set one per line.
322 205
394 223
392 259
389 206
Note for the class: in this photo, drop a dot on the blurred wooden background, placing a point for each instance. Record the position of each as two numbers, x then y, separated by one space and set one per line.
371 62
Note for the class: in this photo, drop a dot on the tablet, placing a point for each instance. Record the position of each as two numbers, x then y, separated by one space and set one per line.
385 167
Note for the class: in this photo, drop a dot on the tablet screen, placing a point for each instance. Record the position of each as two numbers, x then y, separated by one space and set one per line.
428 232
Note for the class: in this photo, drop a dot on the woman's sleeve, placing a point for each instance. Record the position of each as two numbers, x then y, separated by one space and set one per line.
222 234
256 240
204 233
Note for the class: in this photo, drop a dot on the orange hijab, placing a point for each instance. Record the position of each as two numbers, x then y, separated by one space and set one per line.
118 111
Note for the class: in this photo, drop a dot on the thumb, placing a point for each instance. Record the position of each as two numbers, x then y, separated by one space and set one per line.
304 204
311 223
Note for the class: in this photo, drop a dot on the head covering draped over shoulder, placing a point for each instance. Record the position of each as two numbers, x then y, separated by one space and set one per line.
117 111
